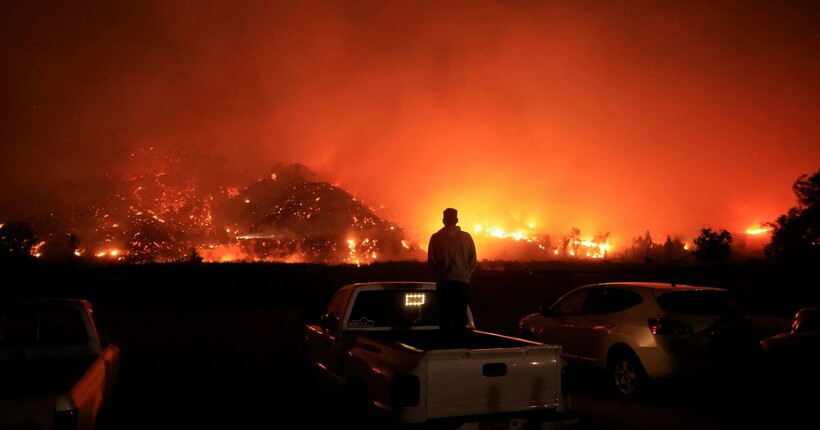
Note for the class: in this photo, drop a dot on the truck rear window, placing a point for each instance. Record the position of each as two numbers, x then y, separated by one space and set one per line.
394 308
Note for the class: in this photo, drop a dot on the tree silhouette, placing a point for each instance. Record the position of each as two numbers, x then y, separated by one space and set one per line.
642 247
674 249
796 235
712 246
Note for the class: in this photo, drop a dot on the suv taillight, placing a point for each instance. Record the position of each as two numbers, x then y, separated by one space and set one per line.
661 326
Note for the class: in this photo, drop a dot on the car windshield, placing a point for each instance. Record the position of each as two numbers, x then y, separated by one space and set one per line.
698 303
35 326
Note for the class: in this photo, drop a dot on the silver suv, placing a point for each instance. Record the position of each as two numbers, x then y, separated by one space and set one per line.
644 331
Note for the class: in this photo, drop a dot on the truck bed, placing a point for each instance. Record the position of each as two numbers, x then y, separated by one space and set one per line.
378 347
427 340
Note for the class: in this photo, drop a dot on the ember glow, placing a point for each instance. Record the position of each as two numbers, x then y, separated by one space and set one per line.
562 129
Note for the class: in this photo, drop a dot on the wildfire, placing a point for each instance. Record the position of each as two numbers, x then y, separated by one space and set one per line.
541 245
288 216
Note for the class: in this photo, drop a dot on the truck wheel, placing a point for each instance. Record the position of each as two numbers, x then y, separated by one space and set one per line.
354 403
628 376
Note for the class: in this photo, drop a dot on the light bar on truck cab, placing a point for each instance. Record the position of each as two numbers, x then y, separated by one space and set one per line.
414 299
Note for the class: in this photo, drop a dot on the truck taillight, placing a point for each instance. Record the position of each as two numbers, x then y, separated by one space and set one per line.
667 326
405 390
66 420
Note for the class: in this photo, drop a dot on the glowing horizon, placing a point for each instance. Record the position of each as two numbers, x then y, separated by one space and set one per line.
531 118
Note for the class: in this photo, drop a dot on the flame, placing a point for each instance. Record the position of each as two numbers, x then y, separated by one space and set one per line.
112 253
36 250
223 253
758 229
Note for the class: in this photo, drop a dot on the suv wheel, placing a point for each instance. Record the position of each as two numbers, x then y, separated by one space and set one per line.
628 376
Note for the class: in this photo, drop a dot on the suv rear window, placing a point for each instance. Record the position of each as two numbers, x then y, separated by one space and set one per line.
609 300
698 303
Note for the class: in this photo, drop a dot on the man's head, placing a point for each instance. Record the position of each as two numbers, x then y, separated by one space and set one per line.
450 216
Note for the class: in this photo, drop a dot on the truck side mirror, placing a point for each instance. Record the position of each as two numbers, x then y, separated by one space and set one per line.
328 322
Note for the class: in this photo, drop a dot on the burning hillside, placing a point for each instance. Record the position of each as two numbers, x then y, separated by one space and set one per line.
159 215
291 217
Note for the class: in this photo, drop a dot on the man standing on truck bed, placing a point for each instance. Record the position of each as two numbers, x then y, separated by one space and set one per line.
451 256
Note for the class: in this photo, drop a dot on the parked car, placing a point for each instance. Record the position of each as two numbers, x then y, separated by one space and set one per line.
57 364
641 332
796 353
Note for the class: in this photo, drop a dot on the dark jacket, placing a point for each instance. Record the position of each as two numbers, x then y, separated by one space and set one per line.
451 254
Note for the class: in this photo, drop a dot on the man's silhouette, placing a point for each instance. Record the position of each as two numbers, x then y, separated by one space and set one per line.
451 256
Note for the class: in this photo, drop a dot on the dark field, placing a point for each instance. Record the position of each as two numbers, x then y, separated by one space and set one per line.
213 346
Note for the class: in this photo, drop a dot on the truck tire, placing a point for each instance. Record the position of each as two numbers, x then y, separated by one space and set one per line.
355 404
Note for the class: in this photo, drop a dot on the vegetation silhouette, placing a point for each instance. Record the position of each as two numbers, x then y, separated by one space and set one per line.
796 234
712 246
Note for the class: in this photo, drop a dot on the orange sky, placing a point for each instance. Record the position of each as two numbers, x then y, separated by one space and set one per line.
616 117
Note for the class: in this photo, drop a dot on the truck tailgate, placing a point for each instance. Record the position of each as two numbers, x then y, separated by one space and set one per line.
465 382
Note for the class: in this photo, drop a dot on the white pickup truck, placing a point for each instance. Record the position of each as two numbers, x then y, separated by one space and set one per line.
57 366
378 351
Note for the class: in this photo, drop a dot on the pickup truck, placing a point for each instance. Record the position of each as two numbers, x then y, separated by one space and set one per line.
57 366
377 350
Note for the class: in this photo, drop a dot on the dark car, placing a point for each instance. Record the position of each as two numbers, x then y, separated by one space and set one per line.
796 353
